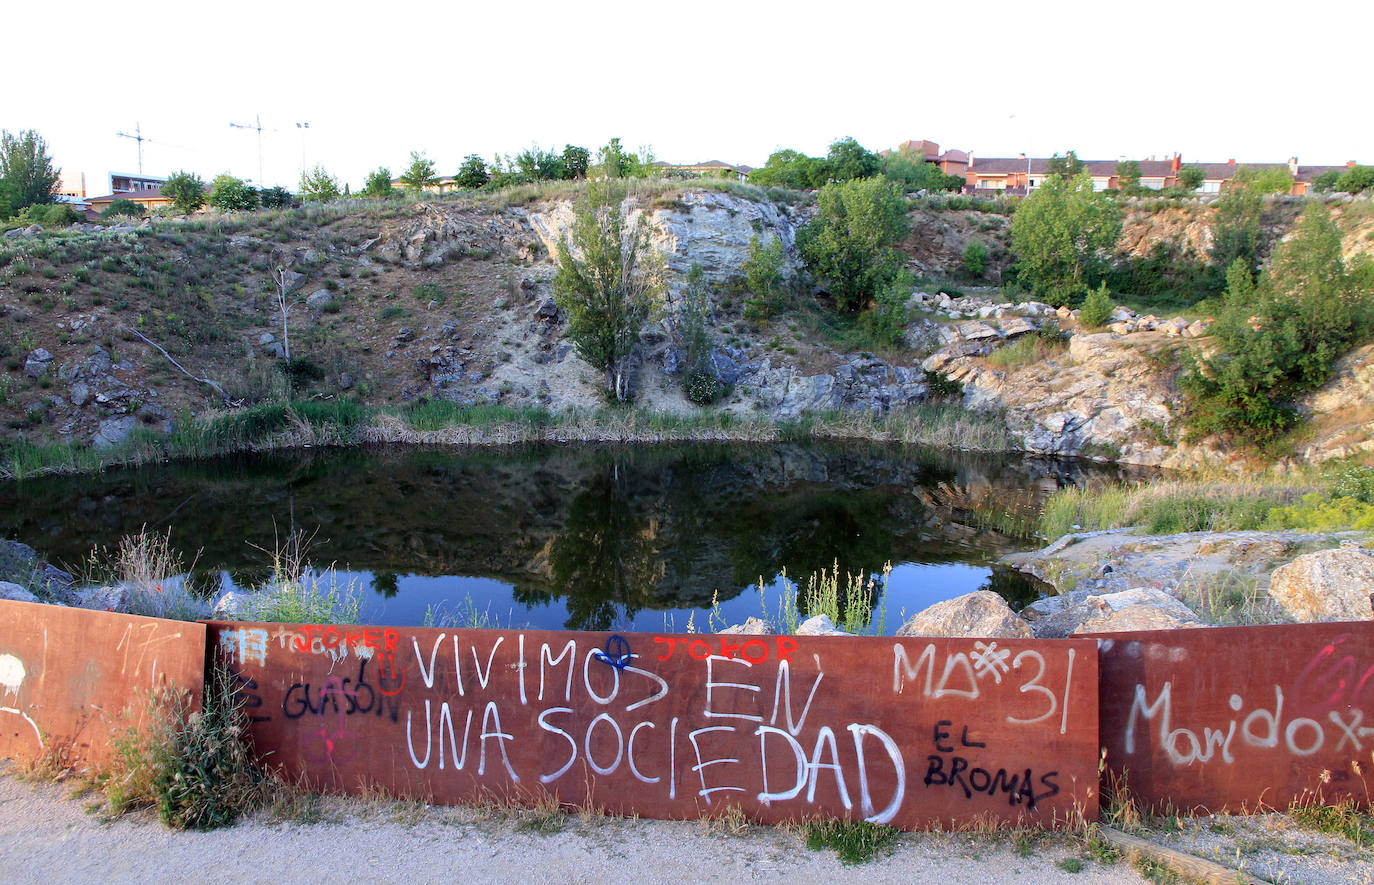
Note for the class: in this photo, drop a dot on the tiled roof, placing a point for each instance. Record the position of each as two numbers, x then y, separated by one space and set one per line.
135 196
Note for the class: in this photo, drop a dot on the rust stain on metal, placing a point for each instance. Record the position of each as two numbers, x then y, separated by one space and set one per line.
903 731
72 678
1240 717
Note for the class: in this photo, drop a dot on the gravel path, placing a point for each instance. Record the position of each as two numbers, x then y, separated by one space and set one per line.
46 835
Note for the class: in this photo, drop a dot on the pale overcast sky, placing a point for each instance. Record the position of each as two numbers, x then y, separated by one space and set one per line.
734 81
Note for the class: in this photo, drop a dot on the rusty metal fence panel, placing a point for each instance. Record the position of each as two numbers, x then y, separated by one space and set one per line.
72 678
1240 717
905 731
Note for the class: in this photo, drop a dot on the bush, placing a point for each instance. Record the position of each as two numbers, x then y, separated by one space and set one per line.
1060 235
197 767
763 276
186 191
231 194
850 243
1278 339
704 388
886 320
122 207
975 259
1097 308
276 198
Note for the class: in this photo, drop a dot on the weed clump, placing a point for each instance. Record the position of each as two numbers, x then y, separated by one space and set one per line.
855 842
194 766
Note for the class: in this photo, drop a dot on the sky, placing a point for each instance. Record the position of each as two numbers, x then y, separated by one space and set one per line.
708 80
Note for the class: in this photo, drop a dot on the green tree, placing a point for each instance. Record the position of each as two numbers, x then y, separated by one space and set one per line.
1067 166
605 283
123 208
1356 179
1236 230
1097 308
27 170
575 162
231 194
275 198
1263 179
473 173
1278 338
848 160
975 259
537 164
1327 181
9 199
1060 235
378 184
913 173
186 191
1191 177
614 161
420 174
849 244
791 169
317 185
763 276
1128 174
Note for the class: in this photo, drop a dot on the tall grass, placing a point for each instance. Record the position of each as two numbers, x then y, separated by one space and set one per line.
854 603
298 593
1163 507
151 575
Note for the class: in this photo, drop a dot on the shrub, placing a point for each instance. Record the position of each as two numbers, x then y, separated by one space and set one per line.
122 207
975 259
886 320
1060 235
850 242
1097 308
186 191
196 767
276 198
427 292
231 194
763 276
1356 179
704 388
1278 339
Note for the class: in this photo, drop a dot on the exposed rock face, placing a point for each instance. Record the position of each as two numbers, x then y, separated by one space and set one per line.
1329 585
114 431
1339 410
708 228
982 613
319 300
1139 608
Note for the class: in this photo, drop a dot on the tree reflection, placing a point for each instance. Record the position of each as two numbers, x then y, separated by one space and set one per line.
606 559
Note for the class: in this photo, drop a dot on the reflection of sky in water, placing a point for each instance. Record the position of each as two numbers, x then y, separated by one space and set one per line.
464 601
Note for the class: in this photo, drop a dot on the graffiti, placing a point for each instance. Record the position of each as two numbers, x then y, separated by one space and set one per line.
785 726
247 646
617 652
12 675
755 650
1233 717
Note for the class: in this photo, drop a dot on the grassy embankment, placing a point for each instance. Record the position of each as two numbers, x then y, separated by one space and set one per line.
343 423
1332 498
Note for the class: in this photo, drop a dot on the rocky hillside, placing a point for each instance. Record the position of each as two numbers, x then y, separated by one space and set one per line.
452 299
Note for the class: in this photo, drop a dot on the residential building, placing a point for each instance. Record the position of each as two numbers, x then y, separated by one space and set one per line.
123 182
148 198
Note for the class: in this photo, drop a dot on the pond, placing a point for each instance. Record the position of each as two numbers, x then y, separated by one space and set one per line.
626 538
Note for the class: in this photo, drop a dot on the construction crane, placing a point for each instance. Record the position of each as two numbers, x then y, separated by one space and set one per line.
257 125
138 137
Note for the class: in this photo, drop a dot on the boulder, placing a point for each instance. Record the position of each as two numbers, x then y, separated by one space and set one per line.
114 431
405 334
38 363
820 625
109 599
981 613
266 338
1140 608
751 627
1329 585
80 394
976 331
294 281
319 300
15 593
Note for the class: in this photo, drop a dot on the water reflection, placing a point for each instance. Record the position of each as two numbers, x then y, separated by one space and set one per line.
623 538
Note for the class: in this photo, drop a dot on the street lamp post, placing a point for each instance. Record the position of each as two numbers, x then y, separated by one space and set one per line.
303 127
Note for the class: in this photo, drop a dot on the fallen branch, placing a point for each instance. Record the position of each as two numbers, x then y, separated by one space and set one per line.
231 403
1190 866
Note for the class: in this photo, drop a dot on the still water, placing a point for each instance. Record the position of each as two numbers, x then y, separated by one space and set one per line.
623 538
